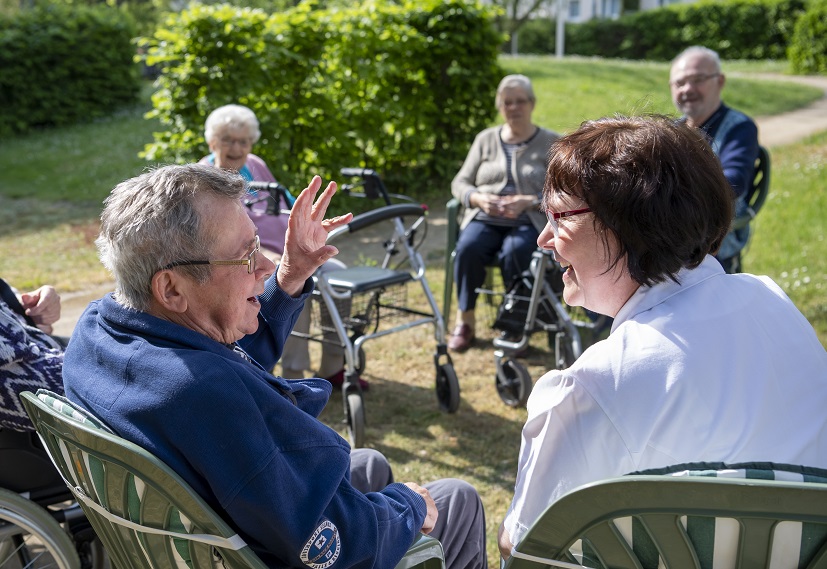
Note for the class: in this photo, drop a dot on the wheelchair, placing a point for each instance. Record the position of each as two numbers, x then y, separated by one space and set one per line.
40 523
369 300
532 303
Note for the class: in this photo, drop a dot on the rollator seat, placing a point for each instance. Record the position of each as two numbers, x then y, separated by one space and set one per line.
363 279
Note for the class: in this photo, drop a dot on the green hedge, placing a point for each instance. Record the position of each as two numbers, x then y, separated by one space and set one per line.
398 87
736 29
808 49
62 65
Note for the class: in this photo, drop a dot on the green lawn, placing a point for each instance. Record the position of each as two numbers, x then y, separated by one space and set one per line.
573 90
53 183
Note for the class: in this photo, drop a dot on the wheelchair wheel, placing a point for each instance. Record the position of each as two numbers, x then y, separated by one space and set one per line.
513 382
447 387
31 538
355 420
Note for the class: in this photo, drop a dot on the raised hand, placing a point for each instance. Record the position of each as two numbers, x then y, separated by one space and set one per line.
305 248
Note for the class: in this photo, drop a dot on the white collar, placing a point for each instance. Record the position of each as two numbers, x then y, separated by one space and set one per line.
647 297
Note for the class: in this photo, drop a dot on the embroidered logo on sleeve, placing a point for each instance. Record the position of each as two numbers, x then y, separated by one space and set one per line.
323 548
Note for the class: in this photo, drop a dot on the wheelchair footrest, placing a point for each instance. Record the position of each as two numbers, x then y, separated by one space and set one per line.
363 279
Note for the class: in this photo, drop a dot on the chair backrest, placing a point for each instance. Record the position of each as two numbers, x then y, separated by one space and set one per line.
144 513
758 192
645 522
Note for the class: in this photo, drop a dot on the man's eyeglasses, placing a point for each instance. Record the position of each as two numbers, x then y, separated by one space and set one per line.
553 217
693 80
250 261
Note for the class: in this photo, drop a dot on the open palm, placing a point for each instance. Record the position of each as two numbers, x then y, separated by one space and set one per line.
305 248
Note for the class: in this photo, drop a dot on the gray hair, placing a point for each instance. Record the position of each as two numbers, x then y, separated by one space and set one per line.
153 220
709 54
231 117
511 81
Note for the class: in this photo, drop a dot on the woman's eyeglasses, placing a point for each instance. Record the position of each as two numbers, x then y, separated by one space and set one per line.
553 217
228 142
250 260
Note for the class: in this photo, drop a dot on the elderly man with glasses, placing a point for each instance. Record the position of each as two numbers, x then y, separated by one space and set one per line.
696 82
176 361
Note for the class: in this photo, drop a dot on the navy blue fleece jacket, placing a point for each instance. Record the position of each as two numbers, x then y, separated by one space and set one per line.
248 442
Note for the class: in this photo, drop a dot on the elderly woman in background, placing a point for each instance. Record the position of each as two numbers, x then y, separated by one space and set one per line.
500 185
700 366
231 131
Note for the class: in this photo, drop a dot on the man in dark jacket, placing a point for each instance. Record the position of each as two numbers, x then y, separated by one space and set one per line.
696 82
176 360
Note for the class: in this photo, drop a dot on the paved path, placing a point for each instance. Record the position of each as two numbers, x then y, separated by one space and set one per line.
773 131
786 128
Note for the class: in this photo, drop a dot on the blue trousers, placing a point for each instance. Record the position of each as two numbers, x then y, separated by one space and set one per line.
481 245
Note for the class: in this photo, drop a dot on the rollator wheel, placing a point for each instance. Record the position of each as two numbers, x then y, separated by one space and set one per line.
513 382
31 537
447 388
356 420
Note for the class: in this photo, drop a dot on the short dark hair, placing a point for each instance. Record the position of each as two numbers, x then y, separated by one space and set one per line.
652 182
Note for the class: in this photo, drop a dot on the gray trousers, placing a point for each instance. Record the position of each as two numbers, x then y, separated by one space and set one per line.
460 526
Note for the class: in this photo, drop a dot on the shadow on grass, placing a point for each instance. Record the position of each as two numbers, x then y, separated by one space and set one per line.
404 422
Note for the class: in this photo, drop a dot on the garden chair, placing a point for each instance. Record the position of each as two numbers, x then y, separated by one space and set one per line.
706 518
144 513
756 196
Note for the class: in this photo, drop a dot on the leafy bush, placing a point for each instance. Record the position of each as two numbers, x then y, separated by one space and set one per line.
595 37
62 65
401 88
808 49
736 29
536 36
741 29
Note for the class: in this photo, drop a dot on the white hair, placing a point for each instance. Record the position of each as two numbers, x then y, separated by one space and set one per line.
231 117
153 220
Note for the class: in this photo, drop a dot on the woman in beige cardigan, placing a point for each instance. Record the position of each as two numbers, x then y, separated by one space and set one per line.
500 184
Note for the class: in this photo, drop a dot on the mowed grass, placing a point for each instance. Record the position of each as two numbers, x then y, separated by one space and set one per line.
576 89
790 239
52 191
52 185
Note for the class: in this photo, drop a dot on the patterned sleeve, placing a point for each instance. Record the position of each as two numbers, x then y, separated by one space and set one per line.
29 360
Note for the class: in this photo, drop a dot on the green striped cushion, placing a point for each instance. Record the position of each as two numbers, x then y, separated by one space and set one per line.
66 407
716 540
748 470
